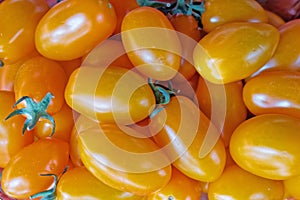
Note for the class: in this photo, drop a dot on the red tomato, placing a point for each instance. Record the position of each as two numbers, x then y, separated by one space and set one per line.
11 139
218 12
234 51
72 28
267 145
22 178
180 129
254 187
151 43
18 22
273 92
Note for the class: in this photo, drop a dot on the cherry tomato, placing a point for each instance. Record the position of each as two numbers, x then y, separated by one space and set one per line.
87 186
254 187
11 139
235 50
114 94
36 77
18 22
180 128
122 8
218 12
274 19
64 122
267 145
287 54
291 187
122 159
273 92
173 190
72 28
215 99
151 43
22 178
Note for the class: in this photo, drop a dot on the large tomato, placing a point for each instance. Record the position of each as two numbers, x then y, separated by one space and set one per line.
72 28
114 94
151 43
267 145
18 22
235 50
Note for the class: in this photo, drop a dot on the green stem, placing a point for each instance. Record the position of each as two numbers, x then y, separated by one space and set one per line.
154 4
1 63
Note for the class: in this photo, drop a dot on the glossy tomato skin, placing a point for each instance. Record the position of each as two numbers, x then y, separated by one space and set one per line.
36 77
287 54
110 95
151 43
21 177
267 145
18 22
11 138
215 98
254 187
291 187
174 189
97 147
72 28
87 186
273 92
218 12
234 51
177 130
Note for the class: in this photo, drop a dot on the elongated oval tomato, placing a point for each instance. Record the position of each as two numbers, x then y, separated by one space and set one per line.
72 28
267 145
173 190
123 160
37 76
218 12
114 94
235 50
79 183
18 22
151 43
11 139
22 178
273 92
255 187
177 130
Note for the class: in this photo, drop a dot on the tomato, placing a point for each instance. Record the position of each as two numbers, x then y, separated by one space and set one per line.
215 99
110 52
234 51
123 160
173 190
180 129
267 145
22 178
254 187
274 19
37 76
114 94
287 54
273 92
11 139
291 187
72 28
151 43
122 8
87 186
64 122
219 12
18 21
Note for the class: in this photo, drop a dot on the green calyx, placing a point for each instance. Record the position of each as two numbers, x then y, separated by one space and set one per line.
33 112
1 63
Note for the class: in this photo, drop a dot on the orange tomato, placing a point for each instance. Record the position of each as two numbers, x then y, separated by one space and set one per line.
151 43
73 28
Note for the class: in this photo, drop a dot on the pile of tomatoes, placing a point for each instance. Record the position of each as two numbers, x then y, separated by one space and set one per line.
113 99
